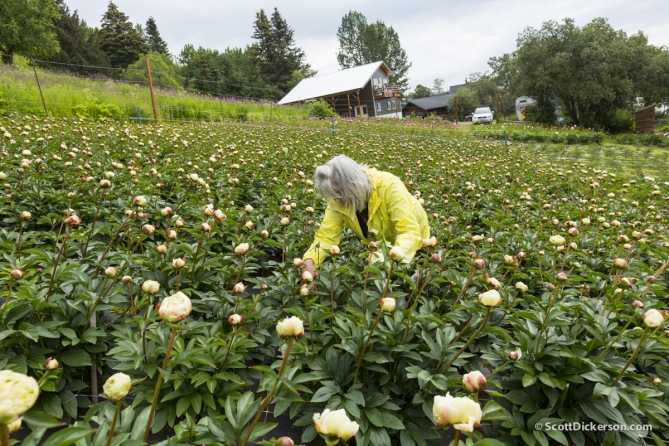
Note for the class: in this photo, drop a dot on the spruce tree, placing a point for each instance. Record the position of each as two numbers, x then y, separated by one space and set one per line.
77 43
153 39
119 38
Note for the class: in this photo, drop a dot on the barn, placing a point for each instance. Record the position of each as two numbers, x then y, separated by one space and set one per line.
437 104
363 91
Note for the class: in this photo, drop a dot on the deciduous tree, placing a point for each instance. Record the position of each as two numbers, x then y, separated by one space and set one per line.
27 28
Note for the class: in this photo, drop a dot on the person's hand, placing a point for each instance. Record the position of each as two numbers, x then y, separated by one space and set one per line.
309 266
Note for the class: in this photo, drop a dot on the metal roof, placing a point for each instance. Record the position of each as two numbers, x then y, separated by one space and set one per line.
350 80
431 102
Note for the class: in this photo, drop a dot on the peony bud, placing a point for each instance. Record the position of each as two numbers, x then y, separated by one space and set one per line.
429 242
238 288
171 234
161 249
139 201
637 304
264 233
126 279
220 215
117 387
17 273
249 225
479 263
105 184
557 240
242 249
334 250
205 227
14 426
654 318
73 220
51 364
515 355
284 221
520 286
657 381
463 413
474 381
436 258
175 308
286 441
150 287
620 263
19 393
397 254
248 208
490 298
165 211
335 425
110 272
179 223
25 215
178 263
148 229
509 260
298 262
561 277
492 282
388 304
306 276
291 326
235 319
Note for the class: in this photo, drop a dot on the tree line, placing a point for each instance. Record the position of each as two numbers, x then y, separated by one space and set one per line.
268 68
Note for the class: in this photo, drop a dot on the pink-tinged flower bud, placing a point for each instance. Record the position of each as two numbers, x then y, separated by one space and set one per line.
620 263
657 381
388 304
334 250
490 240
235 319
161 249
557 240
208 209
436 258
117 387
205 227
479 263
562 277
626 282
178 263
238 288
264 286
166 211
110 272
17 273
14 426
474 381
25 215
286 441
306 276
335 425
373 246
248 208
73 220
291 326
249 225
373 232
515 355
220 215
126 279
285 221
490 298
148 229
51 363
429 242
651 279
397 254
171 234
150 287
520 286
654 318
175 308
492 282
309 210
304 290
573 232
509 260
242 249
139 201
264 233
521 255
105 184
298 262
179 223
637 304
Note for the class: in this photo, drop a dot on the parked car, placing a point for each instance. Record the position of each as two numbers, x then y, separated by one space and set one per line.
482 115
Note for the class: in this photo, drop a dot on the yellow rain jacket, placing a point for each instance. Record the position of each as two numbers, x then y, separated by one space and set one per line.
396 214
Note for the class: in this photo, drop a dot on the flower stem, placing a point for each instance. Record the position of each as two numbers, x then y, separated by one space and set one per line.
267 399
543 326
415 302
369 337
4 435
227 354
464 288
464 347
498 369
18 254
332 273
95 218
113 424
159 381
11 284
456 440
615 340
632 358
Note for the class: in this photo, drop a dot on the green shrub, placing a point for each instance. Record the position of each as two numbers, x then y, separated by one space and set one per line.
321 109
646 139
621 122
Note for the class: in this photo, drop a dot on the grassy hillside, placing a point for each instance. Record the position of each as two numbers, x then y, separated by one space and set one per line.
69 96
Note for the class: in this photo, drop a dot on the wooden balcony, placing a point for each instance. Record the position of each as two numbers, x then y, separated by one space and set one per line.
387 91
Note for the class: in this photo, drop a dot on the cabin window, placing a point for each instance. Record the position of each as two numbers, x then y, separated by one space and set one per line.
390 105
376 81
378 106
385 80
361 111
394 105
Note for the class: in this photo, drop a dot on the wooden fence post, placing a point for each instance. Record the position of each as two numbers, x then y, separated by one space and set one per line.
153 97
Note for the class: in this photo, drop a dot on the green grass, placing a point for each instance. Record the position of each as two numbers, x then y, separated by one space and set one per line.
70 96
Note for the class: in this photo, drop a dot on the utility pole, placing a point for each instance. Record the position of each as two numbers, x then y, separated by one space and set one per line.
153 97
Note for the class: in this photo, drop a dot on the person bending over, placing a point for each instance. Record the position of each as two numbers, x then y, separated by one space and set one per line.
365 200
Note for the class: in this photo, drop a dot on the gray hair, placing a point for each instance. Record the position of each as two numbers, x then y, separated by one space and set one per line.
344 180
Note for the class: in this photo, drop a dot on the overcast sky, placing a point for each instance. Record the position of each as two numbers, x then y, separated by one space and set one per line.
443 39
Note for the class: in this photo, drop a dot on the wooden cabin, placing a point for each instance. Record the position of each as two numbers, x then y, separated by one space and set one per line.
645 120
363 91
